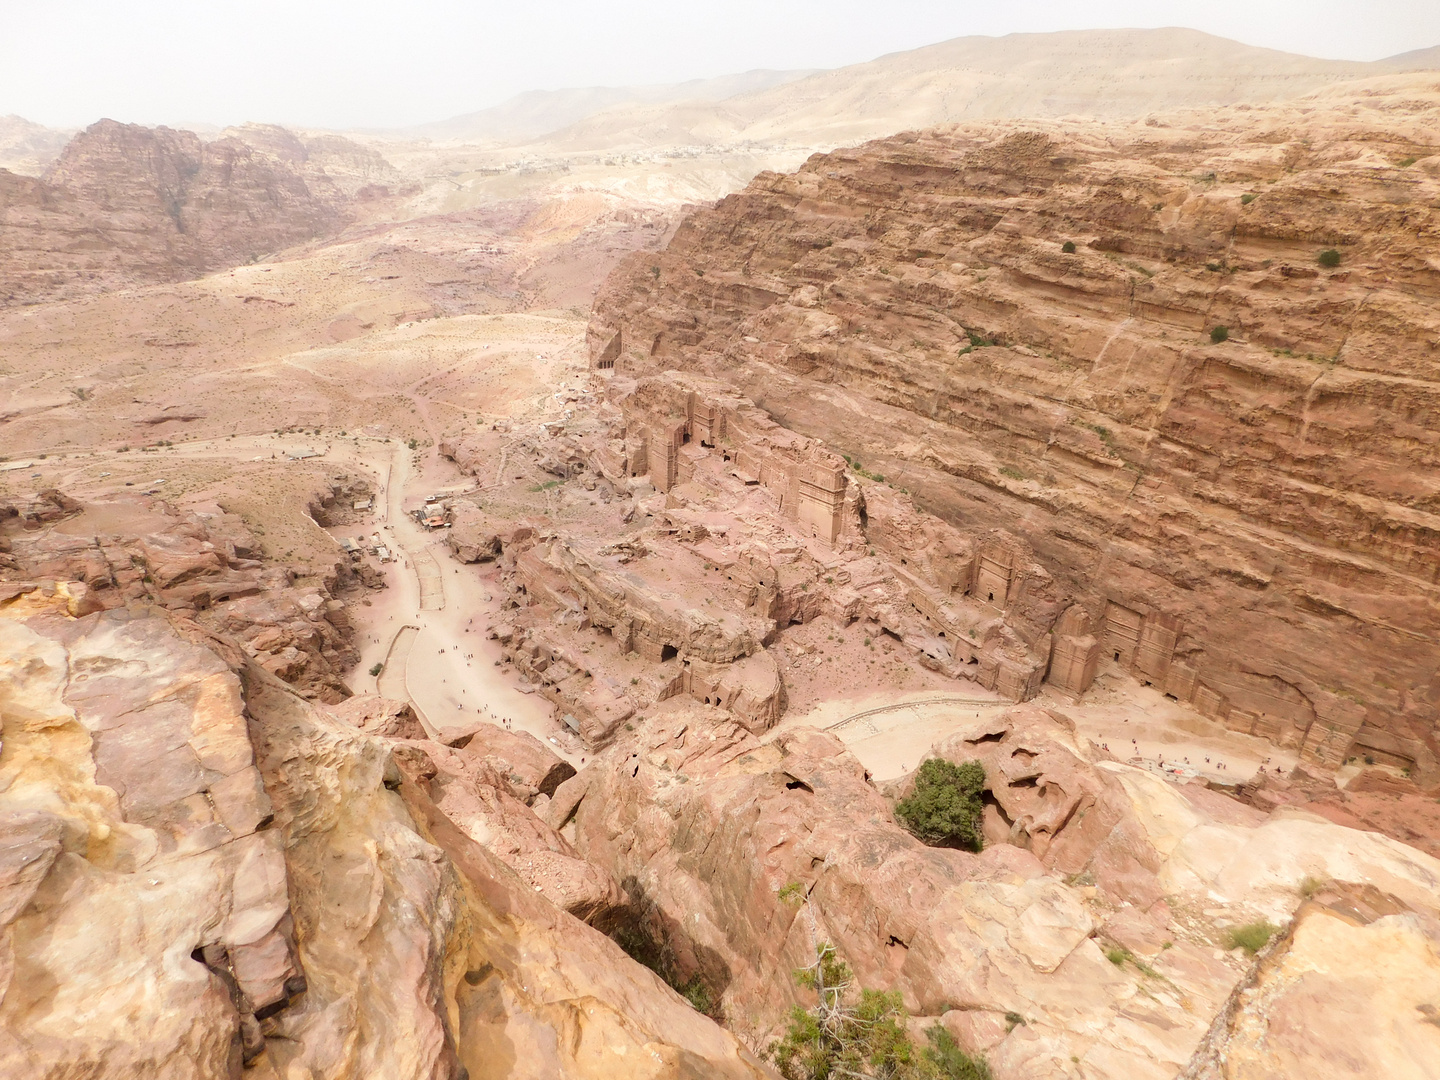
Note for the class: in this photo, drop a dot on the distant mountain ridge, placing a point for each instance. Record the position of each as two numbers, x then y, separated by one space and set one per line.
26 147
538 112
129 205
1415 60
1101 73
1107 74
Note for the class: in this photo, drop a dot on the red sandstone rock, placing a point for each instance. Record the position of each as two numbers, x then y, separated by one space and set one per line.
210 873
1250 526
126 205
375 715
201 566
531 766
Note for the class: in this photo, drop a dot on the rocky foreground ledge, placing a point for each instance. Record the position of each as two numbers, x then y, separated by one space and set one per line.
205 875
201 873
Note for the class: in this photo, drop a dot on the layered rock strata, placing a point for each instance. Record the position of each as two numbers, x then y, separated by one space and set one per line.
1014 322
1352 980
126 205
205 567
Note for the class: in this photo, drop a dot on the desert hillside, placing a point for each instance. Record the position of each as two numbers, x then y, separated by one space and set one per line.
1094 73
536 113
125 204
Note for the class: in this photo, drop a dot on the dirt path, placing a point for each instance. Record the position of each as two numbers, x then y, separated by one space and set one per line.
1134 724
444 665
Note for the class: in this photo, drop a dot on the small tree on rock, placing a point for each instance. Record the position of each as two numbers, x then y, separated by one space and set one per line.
842 1036
946 805
864 1037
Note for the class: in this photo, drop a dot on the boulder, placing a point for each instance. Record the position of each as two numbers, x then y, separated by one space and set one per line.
376 715
528 762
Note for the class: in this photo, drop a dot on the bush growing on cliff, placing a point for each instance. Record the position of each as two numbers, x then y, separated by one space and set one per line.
1068 247
946 805
1252 937
1329 257
842 1036
951 1062
642 947
1219 334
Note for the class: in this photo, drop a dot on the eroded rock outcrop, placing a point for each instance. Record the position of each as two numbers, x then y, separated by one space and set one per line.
1102 936
1349 988
1014 322
147 926
691 531
199 869
204 565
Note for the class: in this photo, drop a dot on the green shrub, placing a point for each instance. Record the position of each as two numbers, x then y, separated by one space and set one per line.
698 995
1068 247
1248 198
946 805
1117 955
375 669
879 478
951 1062
840 1036
1252 937
864 1035
1405 163
1329 257
1219 334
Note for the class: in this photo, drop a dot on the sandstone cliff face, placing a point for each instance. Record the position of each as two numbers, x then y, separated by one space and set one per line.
200 871
687 532
334 168
1349 986
1251 525
143 888
128 205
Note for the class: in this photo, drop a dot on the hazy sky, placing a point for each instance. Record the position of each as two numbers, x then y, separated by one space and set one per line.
367 63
